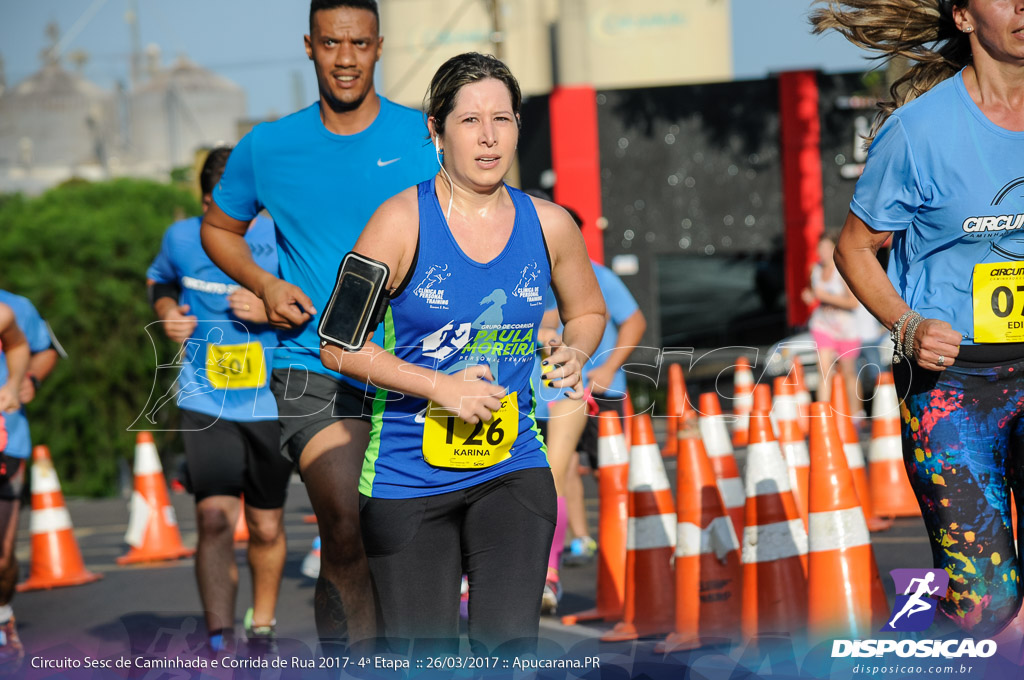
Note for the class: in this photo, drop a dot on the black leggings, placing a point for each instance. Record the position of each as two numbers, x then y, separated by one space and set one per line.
498 533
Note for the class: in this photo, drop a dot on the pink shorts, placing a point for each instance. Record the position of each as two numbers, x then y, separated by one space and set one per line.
844 348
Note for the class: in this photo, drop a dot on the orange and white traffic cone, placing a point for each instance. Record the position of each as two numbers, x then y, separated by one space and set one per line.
854 452
718 445
56 559
742 401
774 541
707 554
841 560
241 525
803 396
628 415
152 528
762 398
792 443
613 519
651 540
890 487
676 407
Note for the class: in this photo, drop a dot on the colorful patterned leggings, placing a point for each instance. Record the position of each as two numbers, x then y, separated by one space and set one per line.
963 445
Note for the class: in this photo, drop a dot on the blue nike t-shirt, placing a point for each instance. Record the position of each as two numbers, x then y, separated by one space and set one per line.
19 443
321 189
222 367
949 184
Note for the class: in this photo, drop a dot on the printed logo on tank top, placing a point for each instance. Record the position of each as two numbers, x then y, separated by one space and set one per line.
429 288
527 287
487 340
1000 221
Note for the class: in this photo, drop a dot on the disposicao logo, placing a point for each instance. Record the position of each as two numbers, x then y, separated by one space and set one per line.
914 610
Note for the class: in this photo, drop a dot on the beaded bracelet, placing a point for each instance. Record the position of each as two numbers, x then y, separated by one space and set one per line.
897 334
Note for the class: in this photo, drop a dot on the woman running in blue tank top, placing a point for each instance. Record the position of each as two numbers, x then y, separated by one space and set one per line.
456 478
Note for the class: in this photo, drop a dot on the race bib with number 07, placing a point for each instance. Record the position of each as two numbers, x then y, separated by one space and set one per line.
999 302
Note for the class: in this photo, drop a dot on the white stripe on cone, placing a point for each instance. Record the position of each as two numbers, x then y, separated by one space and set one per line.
886 449
732 492
50 519
784 408
646 471
138 520
44 477
854 456
718 537
713 431
770 542
650 532
770 475
612 451
837 530
885 404
147 461
796 453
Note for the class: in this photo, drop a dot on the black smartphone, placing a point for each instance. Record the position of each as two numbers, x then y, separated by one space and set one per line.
357 303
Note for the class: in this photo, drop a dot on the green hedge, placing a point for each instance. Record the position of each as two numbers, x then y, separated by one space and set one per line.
80 253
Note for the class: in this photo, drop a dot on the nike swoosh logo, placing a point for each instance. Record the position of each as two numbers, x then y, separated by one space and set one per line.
381 163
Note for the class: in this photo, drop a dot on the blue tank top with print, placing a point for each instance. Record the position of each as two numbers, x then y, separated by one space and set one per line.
454 313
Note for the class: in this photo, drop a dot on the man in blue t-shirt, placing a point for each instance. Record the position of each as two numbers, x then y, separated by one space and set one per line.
321 173
15 446
228 417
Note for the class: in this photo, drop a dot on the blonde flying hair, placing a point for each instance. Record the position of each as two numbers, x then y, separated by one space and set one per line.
922 31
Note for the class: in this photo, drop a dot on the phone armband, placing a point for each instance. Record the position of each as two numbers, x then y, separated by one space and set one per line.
358 303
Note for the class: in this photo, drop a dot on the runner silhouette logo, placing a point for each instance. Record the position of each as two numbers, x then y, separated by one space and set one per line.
917 595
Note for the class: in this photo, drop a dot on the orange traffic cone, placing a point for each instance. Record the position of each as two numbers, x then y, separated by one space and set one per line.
742 401
152 529
56 559
719 449
774 541
241 526
841 560
803 396
676 407
613 517
627 419
854 453
792 443
890 486
707 554
650 542
762 399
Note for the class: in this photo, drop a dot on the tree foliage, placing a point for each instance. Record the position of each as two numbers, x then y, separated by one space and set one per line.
80 252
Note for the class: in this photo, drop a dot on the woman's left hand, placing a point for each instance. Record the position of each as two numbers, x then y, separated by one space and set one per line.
566 371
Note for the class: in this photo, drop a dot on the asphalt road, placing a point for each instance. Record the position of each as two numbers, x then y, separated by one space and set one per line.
154 610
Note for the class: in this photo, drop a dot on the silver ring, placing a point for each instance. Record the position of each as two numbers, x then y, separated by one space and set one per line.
941 361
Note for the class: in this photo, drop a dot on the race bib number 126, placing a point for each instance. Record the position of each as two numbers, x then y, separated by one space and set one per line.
450 442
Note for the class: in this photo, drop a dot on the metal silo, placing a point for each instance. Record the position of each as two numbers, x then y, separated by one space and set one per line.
56 122
180 109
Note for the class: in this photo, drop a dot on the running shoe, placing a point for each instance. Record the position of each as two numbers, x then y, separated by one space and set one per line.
311 562
552 596
259 640
581 552
12 653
